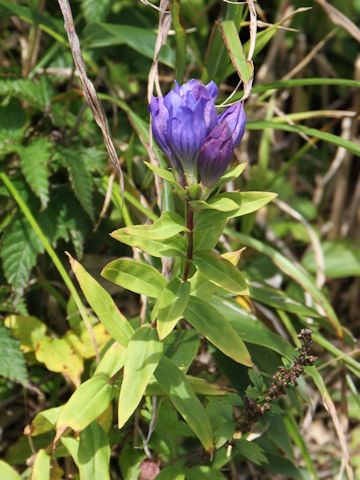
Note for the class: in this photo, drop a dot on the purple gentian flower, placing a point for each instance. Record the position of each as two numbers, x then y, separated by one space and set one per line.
197 141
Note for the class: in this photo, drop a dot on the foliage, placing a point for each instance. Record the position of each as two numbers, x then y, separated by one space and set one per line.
182 360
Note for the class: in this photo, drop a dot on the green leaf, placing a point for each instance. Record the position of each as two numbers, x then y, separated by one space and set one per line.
34 163
44 421
37 94
216 328
175 384
172 304
237 203
12 362
342 259
220 271
278 299
299 276
166 175
203 473
304 82
168 225
96 10
7 472
231 38
112 361
94 453
172 247
182 346
80 178
252 330
20 248
103 305
209 225
87 402
311 132
138 277
141 40
251 451
41 468
143 355
173 472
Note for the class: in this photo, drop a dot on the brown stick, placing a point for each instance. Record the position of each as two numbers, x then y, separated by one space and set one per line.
88 88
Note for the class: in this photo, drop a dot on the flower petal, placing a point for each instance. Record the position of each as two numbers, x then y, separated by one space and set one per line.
215 154
235 118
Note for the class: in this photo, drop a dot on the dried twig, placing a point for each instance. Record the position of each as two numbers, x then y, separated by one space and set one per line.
88 88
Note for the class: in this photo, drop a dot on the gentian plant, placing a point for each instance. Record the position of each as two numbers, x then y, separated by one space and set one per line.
182 305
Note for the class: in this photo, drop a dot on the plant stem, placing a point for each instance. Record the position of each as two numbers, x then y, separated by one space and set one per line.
190 226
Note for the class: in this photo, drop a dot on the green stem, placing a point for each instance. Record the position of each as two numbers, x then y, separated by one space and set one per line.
190 226
51 252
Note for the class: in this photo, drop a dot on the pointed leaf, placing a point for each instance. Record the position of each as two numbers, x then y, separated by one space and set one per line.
143 355
171 247
177 387
87 402
220 271
237 203
138 277
44 421
168 225
231 38
102 304
172 304
215 327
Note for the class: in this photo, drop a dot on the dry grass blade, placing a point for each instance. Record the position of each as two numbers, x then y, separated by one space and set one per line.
340 19
88 88
300 66
329 404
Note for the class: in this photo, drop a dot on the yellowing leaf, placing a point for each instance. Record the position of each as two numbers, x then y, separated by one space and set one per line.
29 330
59 356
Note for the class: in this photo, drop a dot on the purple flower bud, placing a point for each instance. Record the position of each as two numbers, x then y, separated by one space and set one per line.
189 131
215 154
235 118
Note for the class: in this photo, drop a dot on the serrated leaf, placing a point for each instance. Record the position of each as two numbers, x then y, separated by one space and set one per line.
217 329
143 355
12 362
37 94
172 304
34 163
20 248
220 271
80 178
175 384
138 277
96 10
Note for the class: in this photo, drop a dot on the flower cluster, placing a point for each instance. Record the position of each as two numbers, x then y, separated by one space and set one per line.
198 142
